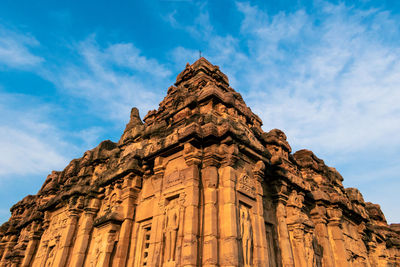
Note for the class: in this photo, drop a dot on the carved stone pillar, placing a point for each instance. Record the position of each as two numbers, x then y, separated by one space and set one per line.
283 233
107 246
318 215
209 175
8 248
34 239
295 219
191 220
66 239
2 246
229 236
261 255
336 237
129 198
83 235
156 239
298 247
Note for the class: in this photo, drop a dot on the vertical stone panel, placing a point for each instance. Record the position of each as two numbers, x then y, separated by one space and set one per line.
190 245
229 244
209 175
336 237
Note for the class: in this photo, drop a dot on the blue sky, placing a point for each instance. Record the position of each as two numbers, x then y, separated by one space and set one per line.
326 73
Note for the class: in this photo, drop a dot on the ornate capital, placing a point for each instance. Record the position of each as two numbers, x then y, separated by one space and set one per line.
280 191
229 154
334 214
259 170
191 154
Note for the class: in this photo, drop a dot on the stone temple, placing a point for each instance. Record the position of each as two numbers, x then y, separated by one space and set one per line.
197 183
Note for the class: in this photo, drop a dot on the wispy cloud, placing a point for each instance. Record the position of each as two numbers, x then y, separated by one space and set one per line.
29 143
112 79
15 50
199 27
330 79
334 85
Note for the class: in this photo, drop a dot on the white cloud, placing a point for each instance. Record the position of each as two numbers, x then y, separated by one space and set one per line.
113 79
200 26
25 153
330 79
29 143
15 50
331 86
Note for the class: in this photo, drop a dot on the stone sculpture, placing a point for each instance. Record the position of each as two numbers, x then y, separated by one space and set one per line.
198 182
171 229
246 230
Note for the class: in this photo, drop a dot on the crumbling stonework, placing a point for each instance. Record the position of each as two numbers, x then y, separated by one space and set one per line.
198 183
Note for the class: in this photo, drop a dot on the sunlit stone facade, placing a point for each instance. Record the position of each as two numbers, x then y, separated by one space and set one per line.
198 183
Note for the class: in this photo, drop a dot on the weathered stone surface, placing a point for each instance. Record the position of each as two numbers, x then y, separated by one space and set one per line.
198 183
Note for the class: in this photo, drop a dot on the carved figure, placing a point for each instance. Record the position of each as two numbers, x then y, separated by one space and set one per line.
246 230
97 252
309 251
50 256
113 202
171 229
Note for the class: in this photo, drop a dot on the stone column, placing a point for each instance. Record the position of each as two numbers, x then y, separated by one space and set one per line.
228 219
318 215
209 175
84 232
190 244
283 233
2 246
66 239
105 245
8 248
297 236
129 198
34 239
295 220
336 236
157 226
261 255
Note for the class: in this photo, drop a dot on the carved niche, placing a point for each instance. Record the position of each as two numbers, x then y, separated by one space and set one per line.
103 243
246 185
246 233
175 173
171 226
51 237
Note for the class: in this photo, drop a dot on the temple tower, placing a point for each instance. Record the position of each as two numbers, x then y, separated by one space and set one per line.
197 183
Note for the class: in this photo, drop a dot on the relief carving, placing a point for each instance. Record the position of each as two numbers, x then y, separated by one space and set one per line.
309 249
246 185
173 178
171 229
50 256
98 248
246 231
103 246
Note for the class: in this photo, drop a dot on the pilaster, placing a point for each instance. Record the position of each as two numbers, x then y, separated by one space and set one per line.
209 176
280 197
190 244
228 223
84 233
318 215
34 239
336 236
